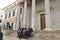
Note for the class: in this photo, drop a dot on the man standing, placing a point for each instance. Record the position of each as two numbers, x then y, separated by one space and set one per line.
1 34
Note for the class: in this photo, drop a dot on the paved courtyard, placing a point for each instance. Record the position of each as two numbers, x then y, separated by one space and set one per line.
41 35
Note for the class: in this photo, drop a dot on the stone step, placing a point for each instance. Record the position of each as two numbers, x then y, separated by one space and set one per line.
42 35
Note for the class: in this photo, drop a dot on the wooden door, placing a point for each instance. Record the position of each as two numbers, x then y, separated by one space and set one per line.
42 18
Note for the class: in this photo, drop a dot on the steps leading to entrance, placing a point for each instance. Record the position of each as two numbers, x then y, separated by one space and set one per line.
41 35
9 31
47 35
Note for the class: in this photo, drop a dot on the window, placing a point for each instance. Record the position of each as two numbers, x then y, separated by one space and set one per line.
0 21
11 25
13 13
5 16
9 14
20 10
4 26
8 25
1 15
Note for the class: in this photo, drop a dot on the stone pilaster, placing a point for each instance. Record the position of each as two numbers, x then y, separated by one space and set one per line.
18 16
33 23
25 14
47 15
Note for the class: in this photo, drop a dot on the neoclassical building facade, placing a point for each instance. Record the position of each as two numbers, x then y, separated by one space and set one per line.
38 14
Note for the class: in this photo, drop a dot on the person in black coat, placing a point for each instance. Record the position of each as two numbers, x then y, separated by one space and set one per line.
1 34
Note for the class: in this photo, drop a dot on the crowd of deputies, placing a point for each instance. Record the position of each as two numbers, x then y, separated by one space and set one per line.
21 32
24 32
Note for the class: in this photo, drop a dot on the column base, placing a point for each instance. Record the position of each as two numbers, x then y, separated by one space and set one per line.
47 29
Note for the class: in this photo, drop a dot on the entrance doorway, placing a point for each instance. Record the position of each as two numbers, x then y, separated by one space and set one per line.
42 18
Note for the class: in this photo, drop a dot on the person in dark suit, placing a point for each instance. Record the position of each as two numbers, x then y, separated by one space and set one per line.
1 34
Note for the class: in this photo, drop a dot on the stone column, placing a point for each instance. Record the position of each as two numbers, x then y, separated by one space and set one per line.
22 17
33 23
47 15
18 16
25 14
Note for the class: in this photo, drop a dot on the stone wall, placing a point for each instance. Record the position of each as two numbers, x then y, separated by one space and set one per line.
55 14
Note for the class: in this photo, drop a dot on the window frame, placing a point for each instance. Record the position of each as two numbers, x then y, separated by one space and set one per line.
13 13
5 16
21 10
9 15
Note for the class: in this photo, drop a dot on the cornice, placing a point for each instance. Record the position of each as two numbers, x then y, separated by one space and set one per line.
12 5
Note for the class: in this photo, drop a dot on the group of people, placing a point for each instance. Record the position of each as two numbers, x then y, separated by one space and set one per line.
24 32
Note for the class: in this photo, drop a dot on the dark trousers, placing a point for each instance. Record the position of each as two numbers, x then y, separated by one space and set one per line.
1 36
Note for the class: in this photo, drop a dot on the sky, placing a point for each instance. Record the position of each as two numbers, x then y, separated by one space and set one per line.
4 3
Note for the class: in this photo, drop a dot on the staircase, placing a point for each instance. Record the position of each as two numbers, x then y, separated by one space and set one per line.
41 35
47 35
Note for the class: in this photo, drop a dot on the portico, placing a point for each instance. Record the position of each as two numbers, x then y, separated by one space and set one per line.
34 21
